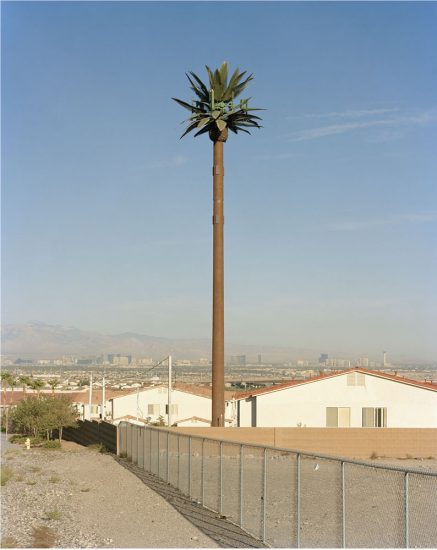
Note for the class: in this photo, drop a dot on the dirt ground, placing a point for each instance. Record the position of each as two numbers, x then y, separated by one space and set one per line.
80 498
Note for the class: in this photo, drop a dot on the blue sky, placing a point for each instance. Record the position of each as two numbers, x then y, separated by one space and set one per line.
330 209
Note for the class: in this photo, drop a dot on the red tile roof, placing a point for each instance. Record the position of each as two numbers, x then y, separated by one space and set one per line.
378 374
13 398
200 391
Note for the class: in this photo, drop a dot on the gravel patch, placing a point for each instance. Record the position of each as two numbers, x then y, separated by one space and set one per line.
85 499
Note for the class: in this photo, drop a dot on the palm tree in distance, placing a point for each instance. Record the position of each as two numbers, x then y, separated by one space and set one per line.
24 381
36 385
53 383
7 380
214 112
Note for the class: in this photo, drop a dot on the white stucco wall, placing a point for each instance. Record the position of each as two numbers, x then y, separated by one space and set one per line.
305 405
136 404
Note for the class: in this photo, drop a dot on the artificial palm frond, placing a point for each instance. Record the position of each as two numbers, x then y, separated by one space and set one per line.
214 110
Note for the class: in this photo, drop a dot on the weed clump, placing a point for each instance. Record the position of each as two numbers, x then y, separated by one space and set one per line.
98 447
9 542
52 444
43 537
54 514
6 474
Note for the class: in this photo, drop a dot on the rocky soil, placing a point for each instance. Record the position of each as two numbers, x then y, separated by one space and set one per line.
79 498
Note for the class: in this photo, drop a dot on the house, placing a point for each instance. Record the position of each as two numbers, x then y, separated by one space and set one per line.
355 398
190 405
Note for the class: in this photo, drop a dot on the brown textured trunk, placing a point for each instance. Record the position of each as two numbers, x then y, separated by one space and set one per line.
218 371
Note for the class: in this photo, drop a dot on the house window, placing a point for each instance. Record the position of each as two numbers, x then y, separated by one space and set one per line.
338 417
153 409
174 409
374 417
356 379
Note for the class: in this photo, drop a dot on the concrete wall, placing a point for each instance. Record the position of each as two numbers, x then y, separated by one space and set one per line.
305 405
347 442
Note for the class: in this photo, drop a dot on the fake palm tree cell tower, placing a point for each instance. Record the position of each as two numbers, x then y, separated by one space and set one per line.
215 112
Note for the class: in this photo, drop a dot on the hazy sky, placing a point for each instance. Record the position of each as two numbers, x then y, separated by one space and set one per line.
330 209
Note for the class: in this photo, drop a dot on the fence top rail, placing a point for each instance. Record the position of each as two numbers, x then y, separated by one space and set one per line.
310 454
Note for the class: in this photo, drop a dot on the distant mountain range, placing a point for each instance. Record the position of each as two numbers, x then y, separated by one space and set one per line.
38 340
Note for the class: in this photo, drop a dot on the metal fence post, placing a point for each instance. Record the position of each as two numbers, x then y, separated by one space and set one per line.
144 447
407 512
179 461
150 449
202 475
343 504
158 453
298 501
189 466
221 479
168 455
241 483
264 493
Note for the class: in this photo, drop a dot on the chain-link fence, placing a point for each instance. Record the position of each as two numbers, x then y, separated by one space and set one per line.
289 498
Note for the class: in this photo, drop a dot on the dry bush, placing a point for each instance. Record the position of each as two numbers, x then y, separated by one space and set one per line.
6 474
9 542
43 537
54 514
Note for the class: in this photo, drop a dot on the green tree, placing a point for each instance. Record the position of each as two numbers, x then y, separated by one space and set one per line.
214 112
8 379
24 381
53 383
13 384
41 415
36 385
63 413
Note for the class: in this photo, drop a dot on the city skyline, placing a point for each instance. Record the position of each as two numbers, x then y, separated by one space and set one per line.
330 212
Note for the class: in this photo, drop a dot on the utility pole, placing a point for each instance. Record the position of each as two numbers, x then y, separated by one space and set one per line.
90 396
169 391
103 396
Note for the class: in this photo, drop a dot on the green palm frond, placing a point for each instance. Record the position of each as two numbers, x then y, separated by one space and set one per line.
214 109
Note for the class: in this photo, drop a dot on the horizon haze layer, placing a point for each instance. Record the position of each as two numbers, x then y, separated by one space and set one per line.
43 340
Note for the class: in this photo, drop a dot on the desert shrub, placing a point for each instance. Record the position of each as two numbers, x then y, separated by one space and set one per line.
6 473
98 447
17 438
43 537
52 444
54 514
9 542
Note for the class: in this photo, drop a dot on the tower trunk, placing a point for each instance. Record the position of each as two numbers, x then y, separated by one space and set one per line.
218 370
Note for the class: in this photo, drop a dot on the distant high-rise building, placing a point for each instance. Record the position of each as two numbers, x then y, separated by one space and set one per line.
259 359
323 358
118 359
238 360
384 358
